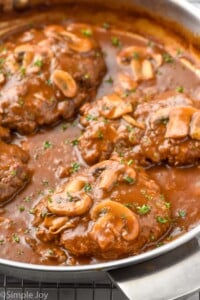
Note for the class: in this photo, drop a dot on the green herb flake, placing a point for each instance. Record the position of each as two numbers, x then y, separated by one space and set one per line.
180 89
144 209
75 142
87 188
27 198
168 205
179 52
13 173
182 213
21 208
162 197
168 58
22 72
2 241
115 41
130 162
2 61
47 145
100 135
15 238
86 32
45 182
75 167
161 220
136 55
129 179
91 118
38 63
109 80
70 198
32 211
106 25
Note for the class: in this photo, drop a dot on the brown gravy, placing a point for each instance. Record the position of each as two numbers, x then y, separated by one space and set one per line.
52 150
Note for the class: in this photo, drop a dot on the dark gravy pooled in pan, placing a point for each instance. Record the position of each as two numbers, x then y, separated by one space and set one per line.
60 137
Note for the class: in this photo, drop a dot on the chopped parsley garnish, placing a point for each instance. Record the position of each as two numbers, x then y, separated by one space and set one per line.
136 55
161 220
109 80
87 32
21 208
64 127
75 142
2 60
100 135
22 71
15 238
91 118
87 187
180 89
13 173
144 209
32 211
75 167
38 63
49 82
115 41
45 182
130 162
106 25
168 58
182 213
1 241
150 44
129 179
47 145
168 205
70 197
162 197
179 52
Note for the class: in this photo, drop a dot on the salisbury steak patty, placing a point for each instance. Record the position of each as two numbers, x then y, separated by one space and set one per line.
46 74
14 172
108 211
153 129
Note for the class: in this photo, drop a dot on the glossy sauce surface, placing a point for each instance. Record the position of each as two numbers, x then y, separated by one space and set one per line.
53 151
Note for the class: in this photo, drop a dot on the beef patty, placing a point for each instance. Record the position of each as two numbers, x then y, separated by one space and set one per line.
108 210
46 74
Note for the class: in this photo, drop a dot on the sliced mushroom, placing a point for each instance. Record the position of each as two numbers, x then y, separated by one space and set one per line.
22 49
147 70
133 122
57 224
71 200
126 82
195 126
190 66
143 61
179 122
77 43
128 54
136 67
160 115
110 172
113 222
157 60
113 106
65 82
71 204
2 78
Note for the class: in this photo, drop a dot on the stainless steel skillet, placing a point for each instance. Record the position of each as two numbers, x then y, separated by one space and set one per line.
167 272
